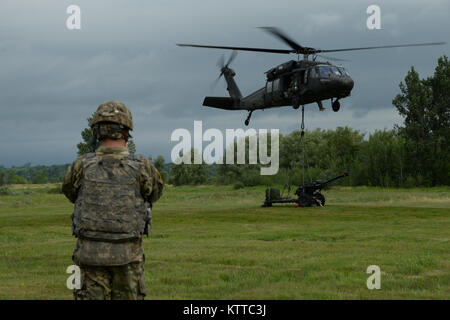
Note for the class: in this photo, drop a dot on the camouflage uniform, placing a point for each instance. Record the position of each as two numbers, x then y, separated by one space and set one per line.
111 262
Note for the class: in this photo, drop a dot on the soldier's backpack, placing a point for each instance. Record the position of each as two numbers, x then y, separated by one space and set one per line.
109 206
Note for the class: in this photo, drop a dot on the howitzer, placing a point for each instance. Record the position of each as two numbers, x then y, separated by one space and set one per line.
308 194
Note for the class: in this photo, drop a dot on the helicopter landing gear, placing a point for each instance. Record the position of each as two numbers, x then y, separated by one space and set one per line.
320 105
247 121
335 105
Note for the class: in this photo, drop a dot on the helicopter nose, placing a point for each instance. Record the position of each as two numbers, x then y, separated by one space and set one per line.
347 83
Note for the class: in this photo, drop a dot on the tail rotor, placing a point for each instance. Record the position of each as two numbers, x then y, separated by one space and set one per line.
224 66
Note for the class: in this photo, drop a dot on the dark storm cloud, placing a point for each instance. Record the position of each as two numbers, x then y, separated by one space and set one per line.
52 79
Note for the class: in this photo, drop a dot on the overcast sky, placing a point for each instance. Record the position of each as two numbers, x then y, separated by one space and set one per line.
52 78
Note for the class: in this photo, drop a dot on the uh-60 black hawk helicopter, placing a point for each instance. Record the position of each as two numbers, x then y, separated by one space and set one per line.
292 83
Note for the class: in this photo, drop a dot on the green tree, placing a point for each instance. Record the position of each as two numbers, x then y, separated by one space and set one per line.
16 179
381 160
160 164
40 177
425 106
131 146
247 174
189 174
342 147
85 146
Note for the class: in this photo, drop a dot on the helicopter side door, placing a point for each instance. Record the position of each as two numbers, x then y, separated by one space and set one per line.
302 79
295 82
313 79
274 91
277 89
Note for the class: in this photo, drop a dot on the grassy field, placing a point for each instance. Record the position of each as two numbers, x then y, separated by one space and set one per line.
218 243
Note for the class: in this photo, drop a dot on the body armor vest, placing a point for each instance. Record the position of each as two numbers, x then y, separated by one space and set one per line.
109 206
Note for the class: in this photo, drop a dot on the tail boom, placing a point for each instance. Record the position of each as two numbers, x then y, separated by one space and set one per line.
225 103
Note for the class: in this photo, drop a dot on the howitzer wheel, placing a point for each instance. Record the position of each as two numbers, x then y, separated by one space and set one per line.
319 198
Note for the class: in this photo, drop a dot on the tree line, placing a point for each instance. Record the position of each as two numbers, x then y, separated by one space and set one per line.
382 160
32 174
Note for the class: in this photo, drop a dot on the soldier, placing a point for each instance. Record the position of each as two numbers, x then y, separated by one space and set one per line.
112 191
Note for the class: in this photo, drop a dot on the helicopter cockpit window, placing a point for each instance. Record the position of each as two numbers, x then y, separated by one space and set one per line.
276 84
336 71
269 86
312 73
325 71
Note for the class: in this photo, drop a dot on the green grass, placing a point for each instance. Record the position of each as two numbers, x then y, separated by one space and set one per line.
218 243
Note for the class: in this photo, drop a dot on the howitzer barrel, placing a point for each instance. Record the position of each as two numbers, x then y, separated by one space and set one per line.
311 187
345 174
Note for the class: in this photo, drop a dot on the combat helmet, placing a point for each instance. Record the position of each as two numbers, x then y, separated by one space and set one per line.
111 120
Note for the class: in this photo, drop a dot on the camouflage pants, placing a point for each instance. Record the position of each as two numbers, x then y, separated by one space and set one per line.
112 283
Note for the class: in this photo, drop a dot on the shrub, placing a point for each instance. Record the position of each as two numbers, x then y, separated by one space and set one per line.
238 185
56 190
4 191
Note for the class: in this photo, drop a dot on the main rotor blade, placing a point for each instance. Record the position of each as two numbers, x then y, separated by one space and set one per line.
279 34
380 47
221 61
238 48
